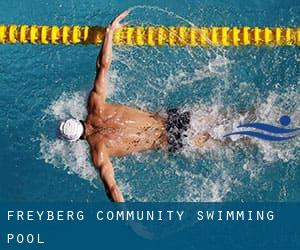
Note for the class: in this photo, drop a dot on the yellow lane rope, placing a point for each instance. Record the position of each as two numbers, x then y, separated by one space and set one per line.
152 35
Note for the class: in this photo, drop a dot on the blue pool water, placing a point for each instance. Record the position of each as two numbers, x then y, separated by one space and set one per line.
42 84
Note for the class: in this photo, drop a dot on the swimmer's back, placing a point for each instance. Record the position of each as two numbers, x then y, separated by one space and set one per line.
126 130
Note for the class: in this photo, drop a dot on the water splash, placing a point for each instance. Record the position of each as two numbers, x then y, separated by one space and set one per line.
74 158
215 85
192 185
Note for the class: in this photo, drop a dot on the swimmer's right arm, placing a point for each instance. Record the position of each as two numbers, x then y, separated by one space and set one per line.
105 56
103 164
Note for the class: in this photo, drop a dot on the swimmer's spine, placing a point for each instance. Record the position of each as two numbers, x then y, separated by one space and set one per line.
152 36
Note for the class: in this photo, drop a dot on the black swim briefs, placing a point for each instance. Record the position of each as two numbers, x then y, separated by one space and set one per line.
177 124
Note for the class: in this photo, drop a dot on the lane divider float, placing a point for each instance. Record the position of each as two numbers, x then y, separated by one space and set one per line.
152 35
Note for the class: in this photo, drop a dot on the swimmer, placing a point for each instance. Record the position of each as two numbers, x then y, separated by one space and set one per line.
114 130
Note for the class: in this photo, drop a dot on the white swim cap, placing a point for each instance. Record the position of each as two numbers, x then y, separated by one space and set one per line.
70 130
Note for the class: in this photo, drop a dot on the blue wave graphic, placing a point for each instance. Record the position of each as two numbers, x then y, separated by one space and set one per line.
262 136
269 128
284 121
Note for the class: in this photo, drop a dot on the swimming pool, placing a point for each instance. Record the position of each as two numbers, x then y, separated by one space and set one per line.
42 84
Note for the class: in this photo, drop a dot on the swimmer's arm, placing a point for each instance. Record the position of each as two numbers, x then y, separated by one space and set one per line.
105 56
103 164
102 65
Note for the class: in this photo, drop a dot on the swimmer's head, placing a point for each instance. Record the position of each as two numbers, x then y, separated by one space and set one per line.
70 130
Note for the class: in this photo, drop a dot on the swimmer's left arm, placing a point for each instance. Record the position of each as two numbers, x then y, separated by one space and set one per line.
105 56
103 164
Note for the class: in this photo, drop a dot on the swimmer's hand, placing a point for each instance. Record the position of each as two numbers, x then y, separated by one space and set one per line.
105 57
115 24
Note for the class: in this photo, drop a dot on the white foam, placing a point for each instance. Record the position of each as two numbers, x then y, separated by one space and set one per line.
174 182
68 105
216 121
271 110
72 157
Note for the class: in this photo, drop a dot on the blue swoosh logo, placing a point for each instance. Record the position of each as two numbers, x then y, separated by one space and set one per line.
284 121
269 128
262 136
